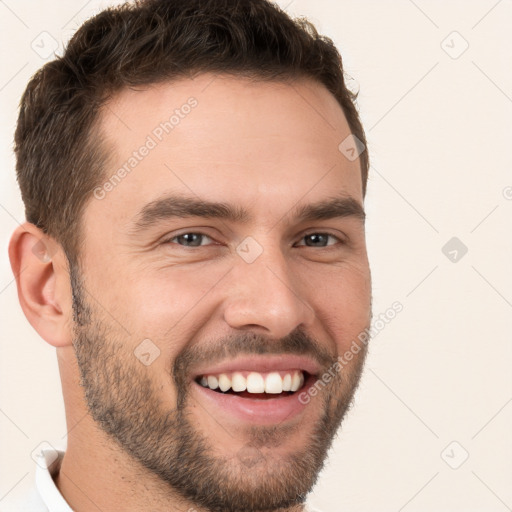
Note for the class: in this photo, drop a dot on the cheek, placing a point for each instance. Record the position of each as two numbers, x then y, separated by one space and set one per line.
168 294
168 306
343 302
151 297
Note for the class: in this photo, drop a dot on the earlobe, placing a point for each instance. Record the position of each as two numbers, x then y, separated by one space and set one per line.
42 280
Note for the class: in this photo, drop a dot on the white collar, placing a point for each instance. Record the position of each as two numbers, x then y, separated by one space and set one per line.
45 484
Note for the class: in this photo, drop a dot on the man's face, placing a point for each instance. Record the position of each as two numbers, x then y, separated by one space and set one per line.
171 303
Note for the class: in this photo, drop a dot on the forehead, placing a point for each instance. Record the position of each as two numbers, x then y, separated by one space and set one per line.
224 138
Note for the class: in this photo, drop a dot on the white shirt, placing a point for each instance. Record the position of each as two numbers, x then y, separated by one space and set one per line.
42 495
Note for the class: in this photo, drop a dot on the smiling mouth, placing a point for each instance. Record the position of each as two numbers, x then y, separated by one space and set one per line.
255 385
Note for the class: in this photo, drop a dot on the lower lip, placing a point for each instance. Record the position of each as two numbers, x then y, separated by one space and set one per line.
267 411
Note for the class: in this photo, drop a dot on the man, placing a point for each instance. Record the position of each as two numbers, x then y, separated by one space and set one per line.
193 175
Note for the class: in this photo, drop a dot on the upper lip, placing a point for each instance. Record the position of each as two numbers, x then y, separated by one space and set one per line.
260 363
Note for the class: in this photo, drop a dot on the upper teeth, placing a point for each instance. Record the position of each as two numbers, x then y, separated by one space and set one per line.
254 382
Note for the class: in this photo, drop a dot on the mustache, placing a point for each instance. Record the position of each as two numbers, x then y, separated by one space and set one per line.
297 342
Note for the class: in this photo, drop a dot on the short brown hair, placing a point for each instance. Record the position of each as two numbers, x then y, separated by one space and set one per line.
60 159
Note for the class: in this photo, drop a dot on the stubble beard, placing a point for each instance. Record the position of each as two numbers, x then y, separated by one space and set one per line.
122 399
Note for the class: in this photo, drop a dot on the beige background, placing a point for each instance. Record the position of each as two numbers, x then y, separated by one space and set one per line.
439 124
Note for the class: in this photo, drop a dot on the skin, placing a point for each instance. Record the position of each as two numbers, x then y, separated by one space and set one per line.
263 146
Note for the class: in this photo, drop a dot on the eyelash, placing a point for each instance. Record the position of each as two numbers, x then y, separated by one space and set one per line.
170 240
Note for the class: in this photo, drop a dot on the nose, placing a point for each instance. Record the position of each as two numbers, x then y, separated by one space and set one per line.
265 295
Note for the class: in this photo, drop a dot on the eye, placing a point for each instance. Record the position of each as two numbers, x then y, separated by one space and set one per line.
319 240
194 239
189 239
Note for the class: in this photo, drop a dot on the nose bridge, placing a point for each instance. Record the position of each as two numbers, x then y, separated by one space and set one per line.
264 293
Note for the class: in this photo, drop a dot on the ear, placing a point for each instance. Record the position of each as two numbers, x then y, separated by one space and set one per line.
42 278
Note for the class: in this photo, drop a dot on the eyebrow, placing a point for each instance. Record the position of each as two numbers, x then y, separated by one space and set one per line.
180 206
